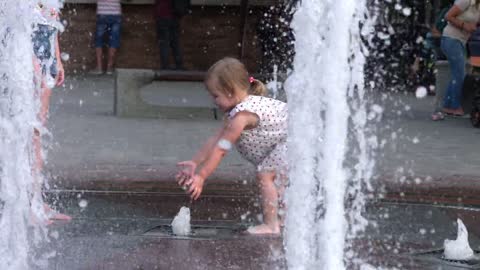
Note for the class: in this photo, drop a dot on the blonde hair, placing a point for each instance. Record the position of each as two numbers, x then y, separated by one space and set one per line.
230 74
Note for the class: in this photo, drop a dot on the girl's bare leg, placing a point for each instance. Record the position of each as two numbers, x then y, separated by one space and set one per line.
281 184
45 94
45 104
43 115
269 198
37 144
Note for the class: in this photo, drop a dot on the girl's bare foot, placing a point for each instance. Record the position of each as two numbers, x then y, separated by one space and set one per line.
264 229
54 215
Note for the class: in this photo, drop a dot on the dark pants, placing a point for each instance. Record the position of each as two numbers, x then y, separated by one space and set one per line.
111 24
168 32
455 52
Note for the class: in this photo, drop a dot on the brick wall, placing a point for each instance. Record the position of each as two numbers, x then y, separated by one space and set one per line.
207 34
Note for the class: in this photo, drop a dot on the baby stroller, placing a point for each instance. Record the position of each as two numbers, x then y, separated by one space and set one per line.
475 112
472 82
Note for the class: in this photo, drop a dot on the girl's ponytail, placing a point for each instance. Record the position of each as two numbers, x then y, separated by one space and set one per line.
231 74
257 88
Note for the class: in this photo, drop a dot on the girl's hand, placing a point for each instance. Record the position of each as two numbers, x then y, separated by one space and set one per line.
60 75
196 186
186 173
469 27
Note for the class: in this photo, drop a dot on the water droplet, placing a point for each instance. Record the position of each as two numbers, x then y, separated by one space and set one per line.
65 56
83 203
407 11
421 92
54 234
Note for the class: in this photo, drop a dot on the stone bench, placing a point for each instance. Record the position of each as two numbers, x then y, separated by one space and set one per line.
172 94
163 94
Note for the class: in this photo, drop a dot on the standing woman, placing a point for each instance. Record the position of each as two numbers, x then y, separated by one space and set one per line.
462 19
49 73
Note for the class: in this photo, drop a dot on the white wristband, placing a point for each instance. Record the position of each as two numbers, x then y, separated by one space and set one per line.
224 144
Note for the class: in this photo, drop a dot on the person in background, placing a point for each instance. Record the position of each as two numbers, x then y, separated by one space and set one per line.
434 42
167 17
49 73
437 28
462 18
109 21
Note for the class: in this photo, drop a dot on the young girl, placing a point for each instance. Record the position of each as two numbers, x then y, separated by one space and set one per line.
49 72
257 125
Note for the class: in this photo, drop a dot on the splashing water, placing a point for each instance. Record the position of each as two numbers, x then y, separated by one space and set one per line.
458 249
22 215
181 222
328 120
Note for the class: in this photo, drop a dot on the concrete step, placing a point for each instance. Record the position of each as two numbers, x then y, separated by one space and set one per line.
171 99
180 75
154 205
151 192
145 178
457 190
177 94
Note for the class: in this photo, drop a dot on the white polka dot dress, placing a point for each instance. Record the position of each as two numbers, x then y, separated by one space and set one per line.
265 145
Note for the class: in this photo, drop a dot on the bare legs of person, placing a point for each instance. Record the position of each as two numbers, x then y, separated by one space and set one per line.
270 204
99 57
112 52
111 59
44 95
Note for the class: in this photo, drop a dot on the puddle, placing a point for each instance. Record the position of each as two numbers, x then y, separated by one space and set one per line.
436 256
199 232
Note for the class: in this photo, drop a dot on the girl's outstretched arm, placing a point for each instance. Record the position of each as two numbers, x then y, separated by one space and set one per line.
189 167
230 133
207 148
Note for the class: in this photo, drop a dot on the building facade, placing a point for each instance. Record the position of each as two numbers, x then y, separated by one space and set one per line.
212 30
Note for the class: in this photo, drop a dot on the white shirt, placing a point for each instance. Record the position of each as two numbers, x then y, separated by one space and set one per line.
470 14
109 7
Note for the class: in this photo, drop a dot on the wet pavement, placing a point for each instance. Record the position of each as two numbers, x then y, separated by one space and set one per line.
131 231
115 177
403 232
89 143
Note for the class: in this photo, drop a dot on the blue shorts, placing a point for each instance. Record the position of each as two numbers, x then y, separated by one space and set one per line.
43 39
111 24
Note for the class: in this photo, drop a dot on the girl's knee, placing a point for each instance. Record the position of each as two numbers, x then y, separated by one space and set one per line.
265 177
46 92
45 96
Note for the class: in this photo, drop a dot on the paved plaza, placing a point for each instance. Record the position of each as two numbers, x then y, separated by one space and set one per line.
114 176
89 142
